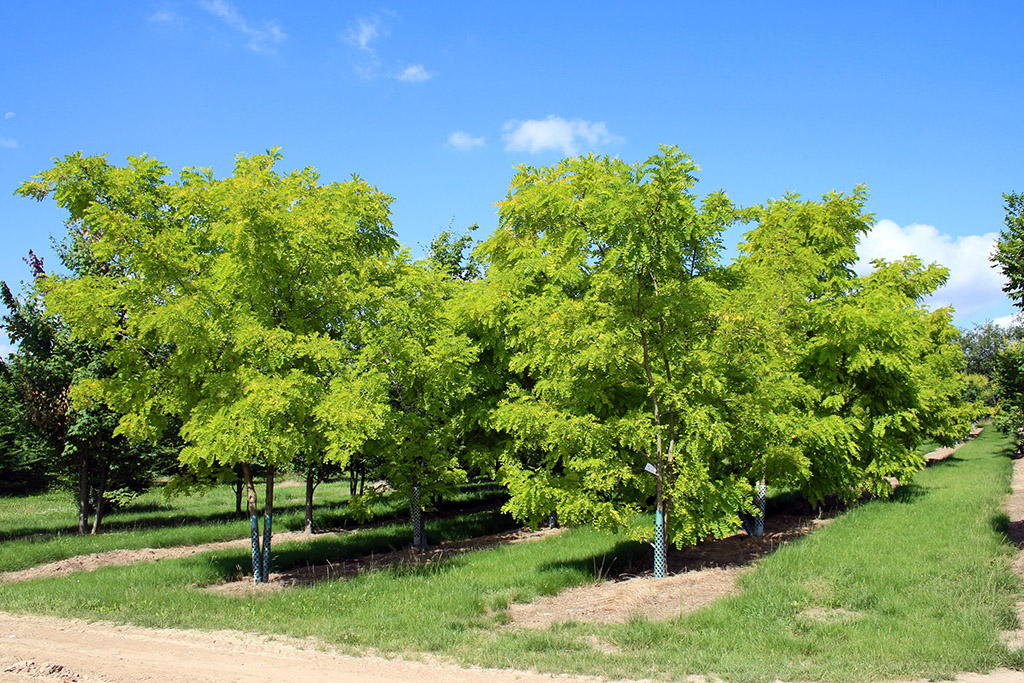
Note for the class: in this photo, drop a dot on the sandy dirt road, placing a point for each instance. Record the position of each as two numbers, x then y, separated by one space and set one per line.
99 652
47 649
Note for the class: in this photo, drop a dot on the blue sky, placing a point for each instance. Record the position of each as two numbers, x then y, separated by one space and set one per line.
435 103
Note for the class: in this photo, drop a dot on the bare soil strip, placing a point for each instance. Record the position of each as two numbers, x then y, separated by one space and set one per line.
1015 530
700 575
940 454
303 576
109 558
101 652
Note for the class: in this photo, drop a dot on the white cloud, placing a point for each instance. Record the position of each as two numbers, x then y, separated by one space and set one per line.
463 141
8 143
363 32
974 284
7 349
555 133
414 73
9 115
1007 321
165 16
260 40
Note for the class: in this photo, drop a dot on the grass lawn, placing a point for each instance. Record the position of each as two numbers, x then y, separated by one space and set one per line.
43 528
916 586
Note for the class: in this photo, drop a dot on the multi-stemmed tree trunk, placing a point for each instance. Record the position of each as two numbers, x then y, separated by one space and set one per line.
260 551
83 490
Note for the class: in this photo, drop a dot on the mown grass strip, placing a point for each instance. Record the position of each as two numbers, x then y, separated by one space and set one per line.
36 530
916 586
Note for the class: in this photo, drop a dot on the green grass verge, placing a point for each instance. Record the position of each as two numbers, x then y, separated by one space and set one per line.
916 586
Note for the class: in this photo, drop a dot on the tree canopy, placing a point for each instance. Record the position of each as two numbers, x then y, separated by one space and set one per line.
594 352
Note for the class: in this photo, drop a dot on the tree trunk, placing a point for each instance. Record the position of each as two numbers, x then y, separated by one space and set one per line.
660 521
239 485
760 501
83 490
419 532
254 524
98 494
268 517
310 486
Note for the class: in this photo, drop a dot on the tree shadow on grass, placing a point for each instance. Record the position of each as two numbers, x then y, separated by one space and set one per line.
329 558
631 559
1011 531
333 517
909 493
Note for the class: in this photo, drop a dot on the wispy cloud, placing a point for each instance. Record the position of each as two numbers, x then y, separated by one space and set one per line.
262 40
414 73
555 133
9 115
166 16
364 34
8 143
973 285
463 141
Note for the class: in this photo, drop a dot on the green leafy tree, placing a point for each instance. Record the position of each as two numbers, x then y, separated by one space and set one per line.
74 445
25 457
451 253
604 277
233 309
983 343
1009 361
1010 388
1009 253
415 344
848 374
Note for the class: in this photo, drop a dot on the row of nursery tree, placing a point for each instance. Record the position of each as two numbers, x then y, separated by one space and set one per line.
594 354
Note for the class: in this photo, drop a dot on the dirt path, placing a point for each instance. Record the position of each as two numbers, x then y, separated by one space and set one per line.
108 558
698 576
1015 530
50 649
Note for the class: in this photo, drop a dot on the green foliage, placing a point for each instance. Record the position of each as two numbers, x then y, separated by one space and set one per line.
1010 383
424 361
841 376
1009 253
452 254
983 343
233 305
24 455
603 282
54 442
1009 357
628 343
